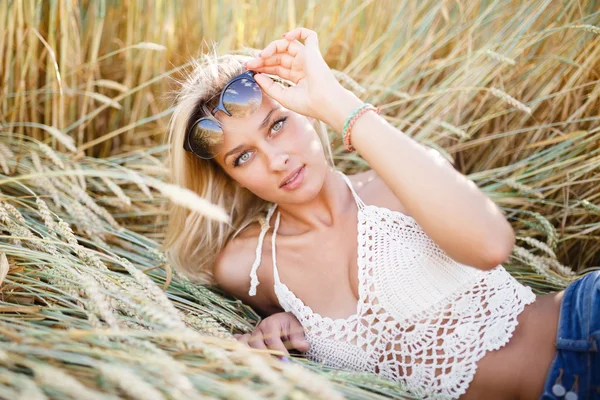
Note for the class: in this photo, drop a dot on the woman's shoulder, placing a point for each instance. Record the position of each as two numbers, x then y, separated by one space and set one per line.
372 190
234 261
234 264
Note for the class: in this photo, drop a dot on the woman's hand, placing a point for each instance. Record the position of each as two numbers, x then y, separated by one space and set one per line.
280 331
303 64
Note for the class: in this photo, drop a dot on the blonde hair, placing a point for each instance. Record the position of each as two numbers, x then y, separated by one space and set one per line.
192 240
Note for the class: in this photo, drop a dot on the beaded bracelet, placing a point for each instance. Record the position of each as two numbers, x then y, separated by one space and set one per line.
356 114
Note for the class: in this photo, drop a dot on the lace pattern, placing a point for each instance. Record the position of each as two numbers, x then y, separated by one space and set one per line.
422 319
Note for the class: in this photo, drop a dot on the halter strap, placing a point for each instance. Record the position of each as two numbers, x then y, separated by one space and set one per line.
264 228
275 272
359 202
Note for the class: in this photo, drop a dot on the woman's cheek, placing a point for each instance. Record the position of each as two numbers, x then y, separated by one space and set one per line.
255 178
299 140
315 147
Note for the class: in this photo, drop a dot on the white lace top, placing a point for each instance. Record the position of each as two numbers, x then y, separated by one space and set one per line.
422 319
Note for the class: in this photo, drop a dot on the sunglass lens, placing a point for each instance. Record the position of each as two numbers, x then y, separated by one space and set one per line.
206 134
242 97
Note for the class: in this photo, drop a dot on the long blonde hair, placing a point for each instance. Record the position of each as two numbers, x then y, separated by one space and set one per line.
193 241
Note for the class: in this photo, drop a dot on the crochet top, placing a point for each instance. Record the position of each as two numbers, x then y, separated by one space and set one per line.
422 319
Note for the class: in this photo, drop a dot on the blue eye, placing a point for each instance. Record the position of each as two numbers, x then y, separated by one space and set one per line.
279 123
242 159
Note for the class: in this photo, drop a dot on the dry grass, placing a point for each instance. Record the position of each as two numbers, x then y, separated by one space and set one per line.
506 90
488 83
96 312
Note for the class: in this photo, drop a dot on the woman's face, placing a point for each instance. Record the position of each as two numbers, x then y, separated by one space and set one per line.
262 150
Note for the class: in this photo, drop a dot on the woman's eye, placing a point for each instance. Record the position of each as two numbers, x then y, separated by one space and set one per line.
246 156
243 158
278 125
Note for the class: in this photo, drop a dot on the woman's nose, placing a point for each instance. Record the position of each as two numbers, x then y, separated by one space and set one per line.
279 161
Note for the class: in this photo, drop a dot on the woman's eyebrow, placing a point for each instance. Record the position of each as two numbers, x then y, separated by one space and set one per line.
233 151
266 120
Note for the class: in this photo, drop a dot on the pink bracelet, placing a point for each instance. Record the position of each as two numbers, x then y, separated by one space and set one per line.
356 114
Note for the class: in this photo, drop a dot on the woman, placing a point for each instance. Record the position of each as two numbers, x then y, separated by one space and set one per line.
394 271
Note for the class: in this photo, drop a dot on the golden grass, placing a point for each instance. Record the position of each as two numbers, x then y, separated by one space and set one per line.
506 90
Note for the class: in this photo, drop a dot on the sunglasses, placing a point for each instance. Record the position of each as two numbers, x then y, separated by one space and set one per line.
240 97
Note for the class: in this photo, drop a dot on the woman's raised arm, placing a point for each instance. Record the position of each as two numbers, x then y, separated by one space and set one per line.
450 208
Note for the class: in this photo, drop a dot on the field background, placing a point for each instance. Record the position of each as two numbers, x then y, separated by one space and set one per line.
89 307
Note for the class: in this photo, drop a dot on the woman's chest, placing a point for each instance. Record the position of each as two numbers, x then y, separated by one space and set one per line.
320 269
331 271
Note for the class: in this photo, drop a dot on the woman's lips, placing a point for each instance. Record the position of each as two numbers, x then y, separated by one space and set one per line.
297 181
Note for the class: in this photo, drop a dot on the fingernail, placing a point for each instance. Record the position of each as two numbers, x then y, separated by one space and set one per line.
285 360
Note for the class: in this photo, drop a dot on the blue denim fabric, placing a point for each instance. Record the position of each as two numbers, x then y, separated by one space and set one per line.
575 368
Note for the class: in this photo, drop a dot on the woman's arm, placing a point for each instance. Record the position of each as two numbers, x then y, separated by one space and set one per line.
454 213
450 208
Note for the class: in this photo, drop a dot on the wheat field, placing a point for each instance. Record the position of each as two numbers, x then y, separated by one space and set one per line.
90 308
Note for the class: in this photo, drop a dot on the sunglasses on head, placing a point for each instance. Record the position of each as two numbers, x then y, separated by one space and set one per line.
240 97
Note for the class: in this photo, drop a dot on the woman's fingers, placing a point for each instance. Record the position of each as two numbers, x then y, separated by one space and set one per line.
272 89
266 340
291 47
285 60
282 72
282 59
310 37
281 66
278 332
243 338
253 339
274 342
296 337
256 340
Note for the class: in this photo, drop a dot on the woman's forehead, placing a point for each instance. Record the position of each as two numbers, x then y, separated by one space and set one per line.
250 123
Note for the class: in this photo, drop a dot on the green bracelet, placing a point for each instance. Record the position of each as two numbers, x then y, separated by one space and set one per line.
350 122
352 116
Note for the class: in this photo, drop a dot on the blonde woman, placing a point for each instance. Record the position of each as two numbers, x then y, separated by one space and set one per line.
395 271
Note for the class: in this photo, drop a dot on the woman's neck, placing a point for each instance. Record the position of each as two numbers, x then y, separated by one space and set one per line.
320 213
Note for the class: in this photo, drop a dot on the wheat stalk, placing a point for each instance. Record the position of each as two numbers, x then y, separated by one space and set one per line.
123 198
511 182
51 154
499 57
588 28
188 199
510 100
129 382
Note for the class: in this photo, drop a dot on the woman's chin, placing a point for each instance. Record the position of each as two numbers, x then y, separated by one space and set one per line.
309 190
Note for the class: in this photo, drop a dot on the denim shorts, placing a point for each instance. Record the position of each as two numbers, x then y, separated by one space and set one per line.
575 369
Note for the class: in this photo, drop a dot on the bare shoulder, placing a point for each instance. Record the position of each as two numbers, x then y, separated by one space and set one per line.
232 269
374 191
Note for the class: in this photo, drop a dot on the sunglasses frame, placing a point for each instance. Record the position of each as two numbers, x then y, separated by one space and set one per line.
220 107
